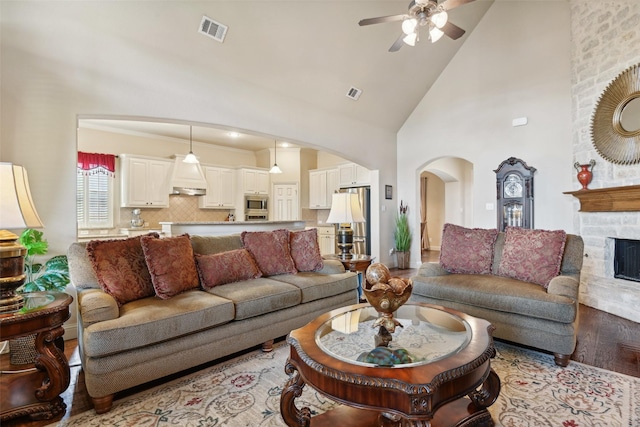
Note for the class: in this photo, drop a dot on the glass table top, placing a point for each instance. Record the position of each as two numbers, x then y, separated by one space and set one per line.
427 335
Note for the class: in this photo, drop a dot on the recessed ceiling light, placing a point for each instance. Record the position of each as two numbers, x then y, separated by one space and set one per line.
284 144
233 134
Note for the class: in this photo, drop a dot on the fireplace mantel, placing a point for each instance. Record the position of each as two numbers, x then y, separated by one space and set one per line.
613 199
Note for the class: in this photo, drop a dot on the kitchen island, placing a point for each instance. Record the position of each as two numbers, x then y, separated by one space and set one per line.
222 228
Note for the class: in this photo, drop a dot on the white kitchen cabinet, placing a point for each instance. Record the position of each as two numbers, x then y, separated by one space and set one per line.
254 181
351 174
322 184
327 240
220 188
144 182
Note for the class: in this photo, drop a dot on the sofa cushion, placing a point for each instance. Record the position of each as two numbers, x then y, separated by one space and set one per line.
226 267
206 245
271 251
497 293
532 255
315 285
121 269
305 250
467 250
151 320
258 296
171 265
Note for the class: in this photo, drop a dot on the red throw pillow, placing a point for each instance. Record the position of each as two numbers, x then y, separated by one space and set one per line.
532 255
171 265
305 250
121 269
226 267
271 251
467 250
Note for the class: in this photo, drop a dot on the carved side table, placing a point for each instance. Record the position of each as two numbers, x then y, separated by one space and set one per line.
36 394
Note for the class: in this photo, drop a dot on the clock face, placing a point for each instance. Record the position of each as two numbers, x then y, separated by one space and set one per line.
513 186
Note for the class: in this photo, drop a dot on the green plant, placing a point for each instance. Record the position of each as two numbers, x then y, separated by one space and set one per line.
402 233
53 275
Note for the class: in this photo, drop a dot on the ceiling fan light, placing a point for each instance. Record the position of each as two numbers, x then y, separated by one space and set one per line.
411 39
435 33
440 19
409 25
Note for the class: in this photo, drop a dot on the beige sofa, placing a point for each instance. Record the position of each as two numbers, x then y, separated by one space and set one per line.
522 312
150 338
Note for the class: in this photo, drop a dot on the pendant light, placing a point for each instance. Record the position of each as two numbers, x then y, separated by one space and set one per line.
275 168
190 158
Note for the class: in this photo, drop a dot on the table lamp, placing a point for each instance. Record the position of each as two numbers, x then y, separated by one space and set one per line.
16 211
345 209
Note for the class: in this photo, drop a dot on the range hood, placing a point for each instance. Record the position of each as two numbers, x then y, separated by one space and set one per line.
187 178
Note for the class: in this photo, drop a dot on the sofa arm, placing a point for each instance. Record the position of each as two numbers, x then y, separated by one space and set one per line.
95 305
564 285
331 266
430 269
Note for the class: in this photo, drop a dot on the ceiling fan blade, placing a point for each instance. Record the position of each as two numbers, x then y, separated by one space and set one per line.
381 19
452 4
452 30
397 44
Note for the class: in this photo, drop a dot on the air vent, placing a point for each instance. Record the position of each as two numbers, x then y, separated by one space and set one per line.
354 93
213 29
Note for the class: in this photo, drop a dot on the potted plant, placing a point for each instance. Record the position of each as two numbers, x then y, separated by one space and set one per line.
53 275
402 238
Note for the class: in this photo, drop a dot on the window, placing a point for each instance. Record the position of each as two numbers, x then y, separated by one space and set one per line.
94 202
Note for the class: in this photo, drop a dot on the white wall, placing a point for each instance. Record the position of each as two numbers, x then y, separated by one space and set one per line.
516 63
56 65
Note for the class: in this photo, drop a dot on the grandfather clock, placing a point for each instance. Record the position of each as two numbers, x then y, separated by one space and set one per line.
514 187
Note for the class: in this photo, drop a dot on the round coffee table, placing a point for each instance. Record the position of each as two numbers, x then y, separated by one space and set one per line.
434 371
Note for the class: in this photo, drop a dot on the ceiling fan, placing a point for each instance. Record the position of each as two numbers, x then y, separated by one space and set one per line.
423 13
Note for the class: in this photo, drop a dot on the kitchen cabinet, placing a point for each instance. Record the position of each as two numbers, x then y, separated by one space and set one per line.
144 182
254 181
351 174
220 188
322 184
327 240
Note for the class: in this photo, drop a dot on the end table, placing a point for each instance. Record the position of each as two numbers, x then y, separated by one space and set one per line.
357 264
37 394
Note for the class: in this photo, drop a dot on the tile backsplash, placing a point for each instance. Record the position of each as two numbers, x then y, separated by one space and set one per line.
181 208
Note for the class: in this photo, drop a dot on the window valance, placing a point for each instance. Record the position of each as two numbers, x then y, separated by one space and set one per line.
96 163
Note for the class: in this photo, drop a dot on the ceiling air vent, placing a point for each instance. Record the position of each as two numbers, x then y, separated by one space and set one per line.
213 29
354 93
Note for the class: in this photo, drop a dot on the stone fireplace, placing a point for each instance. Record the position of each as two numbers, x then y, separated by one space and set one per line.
605 41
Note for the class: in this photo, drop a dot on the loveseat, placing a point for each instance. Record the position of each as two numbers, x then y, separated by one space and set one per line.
127 338
508 279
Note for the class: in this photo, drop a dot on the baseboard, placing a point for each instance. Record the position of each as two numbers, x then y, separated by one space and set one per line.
70 331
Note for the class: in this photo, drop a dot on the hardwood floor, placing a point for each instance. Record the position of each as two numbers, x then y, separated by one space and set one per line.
604 340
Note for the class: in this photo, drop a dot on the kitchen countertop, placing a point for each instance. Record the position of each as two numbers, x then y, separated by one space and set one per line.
220 228
227 222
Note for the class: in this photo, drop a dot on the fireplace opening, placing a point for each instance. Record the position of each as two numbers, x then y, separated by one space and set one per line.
626 259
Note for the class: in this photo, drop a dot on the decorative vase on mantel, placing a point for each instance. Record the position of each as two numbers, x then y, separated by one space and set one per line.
584 174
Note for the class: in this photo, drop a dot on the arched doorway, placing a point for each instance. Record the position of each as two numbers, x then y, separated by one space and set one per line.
446 196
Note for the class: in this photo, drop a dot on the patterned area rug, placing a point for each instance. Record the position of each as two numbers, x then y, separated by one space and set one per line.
246 392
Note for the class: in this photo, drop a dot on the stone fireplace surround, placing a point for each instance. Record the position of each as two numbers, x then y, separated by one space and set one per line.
605 41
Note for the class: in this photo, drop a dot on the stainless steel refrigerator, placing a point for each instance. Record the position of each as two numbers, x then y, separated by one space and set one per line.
361 230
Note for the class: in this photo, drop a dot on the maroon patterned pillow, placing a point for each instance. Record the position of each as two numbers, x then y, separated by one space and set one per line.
532 255
121 269
171 265
467 250
226 267
271 251
305 250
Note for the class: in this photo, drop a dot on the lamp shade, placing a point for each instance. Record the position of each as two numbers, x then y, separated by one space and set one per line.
17 209
345 208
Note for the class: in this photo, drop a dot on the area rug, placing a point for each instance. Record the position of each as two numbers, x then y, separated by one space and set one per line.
245 391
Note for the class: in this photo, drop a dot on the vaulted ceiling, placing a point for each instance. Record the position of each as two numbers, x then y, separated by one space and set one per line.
309 50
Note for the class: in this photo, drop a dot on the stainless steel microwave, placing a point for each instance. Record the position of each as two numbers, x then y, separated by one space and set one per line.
256 202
